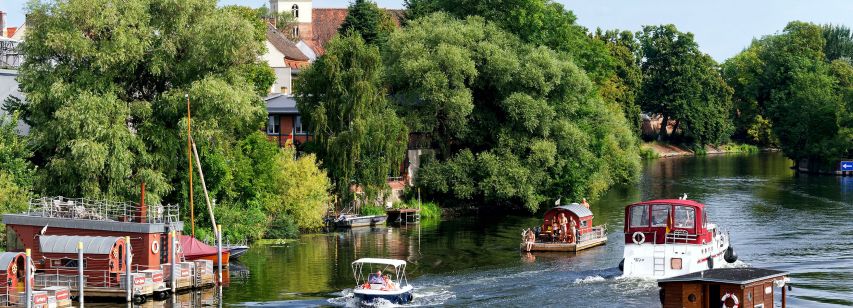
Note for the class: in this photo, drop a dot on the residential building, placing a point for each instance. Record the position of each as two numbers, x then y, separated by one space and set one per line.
284 124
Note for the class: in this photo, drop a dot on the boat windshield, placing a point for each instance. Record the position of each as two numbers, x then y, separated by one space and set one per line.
379 275
640 216
685 217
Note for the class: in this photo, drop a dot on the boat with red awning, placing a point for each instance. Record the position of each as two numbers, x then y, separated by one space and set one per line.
194 249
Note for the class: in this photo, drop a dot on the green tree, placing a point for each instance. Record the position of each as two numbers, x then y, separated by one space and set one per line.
839 42
16 171
682 83
357 135
303 190
622 86
539 22
106 97
368 20
515 124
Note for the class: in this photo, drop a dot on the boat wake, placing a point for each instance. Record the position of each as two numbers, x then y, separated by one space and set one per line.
423 296
590 279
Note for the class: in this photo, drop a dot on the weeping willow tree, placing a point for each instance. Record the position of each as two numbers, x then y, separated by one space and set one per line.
357 136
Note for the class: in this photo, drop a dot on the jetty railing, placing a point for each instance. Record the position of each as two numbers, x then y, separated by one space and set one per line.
102 210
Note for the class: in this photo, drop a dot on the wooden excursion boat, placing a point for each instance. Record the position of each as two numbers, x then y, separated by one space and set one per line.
545 239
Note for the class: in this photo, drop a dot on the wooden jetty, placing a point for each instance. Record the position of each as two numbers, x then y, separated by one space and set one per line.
403 216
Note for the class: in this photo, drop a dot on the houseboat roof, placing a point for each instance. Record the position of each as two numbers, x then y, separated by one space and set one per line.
7 257
101 245
673 202
739 276
578 209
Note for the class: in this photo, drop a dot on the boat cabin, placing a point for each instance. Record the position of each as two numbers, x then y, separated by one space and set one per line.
58 254
669 220
723 287
12 268
581 214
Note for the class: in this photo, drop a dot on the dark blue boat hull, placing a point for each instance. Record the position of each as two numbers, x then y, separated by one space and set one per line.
402 298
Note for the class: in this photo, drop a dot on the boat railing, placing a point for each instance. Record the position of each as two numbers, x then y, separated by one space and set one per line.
596 233
102 210
679 236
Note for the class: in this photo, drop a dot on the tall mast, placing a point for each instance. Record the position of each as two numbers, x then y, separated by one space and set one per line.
190 163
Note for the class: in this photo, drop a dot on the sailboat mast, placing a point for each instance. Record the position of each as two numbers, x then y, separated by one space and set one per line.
190 163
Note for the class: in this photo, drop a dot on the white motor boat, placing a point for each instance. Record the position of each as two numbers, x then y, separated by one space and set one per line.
374 285
671 237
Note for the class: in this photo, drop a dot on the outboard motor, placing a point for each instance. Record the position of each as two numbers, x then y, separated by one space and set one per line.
730 255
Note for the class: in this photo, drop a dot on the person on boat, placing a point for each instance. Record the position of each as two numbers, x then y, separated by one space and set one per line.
584 203
555 230
529 239
563 227
574 230
389 284
376 278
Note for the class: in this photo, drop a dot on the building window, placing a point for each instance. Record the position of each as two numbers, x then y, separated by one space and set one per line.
295 31
69 263
284 90
13 243
273 125
297 125
295 10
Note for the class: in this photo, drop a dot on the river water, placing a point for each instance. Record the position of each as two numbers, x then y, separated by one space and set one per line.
777 219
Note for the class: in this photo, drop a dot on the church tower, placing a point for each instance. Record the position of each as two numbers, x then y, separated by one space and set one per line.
301 11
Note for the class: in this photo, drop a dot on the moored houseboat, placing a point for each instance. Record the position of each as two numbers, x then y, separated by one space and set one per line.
671 237
724 287
545 237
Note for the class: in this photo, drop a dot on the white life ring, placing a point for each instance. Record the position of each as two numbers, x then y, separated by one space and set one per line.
727 296
155 247
639 237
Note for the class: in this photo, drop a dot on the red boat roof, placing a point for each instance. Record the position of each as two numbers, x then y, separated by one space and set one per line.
673 201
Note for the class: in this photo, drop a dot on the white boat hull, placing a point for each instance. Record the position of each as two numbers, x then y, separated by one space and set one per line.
658 261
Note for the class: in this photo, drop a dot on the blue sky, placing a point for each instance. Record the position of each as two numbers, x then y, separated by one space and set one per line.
722 27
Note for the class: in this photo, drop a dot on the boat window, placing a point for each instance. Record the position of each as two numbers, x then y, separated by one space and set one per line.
640 216
660 215
685 217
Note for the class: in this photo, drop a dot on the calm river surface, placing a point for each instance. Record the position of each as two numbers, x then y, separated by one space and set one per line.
801 224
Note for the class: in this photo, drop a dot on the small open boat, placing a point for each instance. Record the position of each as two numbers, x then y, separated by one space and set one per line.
395 289
545 238
194 249
352 221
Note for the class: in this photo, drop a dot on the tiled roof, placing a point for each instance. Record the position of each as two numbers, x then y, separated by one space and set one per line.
284 45
325 23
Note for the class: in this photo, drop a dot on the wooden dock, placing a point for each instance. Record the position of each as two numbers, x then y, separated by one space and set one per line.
403 216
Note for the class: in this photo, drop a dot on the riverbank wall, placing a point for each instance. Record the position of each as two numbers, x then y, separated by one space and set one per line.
814 167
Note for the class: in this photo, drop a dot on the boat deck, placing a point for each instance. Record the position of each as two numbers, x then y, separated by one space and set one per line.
564 247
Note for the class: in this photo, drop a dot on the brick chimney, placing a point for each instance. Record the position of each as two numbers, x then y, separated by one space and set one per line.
3 24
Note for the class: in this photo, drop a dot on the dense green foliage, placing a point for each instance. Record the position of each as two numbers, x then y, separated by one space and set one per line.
16 172
797 84
682 83
539 22
625 81
368 20
514 123
106 102
357 135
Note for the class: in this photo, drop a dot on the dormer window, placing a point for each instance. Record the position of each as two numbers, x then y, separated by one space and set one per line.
295 10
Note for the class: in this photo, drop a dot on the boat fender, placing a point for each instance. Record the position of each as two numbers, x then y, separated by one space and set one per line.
731 255
727 296
155 247
639 238
710 262
622 265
